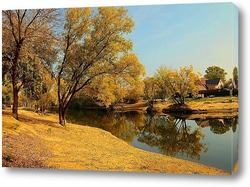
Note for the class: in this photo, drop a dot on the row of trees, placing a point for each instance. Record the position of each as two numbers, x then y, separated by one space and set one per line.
176 84
80 50
182 82
27 43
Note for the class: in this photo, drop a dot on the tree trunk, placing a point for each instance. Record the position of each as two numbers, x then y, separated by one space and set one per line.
15 102
63 106
14 76
62 115
182 100
15 88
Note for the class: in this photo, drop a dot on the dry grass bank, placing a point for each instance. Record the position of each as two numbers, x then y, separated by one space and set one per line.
39 141
209 107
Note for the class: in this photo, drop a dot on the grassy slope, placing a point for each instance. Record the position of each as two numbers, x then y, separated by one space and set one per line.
38 141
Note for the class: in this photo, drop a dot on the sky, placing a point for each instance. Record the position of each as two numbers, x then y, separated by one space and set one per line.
201 35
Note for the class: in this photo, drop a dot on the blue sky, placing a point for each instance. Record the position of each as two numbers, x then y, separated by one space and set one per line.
179 35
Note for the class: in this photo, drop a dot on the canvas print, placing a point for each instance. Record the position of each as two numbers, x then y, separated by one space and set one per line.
149 88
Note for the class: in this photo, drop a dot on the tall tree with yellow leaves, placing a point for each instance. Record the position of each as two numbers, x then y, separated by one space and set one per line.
93 45
27 37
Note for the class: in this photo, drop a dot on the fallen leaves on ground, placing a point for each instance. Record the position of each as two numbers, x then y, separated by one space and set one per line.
40 142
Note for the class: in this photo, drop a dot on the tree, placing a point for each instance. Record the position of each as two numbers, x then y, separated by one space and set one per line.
150 89
93 45
129 78
178 83
235 73
7 95
215 72
103 90
26 34
123 84
134 92
162 78
48 92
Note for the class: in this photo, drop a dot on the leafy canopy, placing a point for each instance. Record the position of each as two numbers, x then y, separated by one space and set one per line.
184 81
235 73
93 48
214 72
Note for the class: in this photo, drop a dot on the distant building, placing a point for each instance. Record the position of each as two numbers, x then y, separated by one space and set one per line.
202 84
212 87
214 84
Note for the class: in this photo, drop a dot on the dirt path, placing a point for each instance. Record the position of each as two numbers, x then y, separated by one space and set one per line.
38 141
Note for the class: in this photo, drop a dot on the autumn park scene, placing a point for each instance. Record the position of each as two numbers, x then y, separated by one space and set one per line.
125 89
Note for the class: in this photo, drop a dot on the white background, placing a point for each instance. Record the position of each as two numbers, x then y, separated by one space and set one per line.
41 177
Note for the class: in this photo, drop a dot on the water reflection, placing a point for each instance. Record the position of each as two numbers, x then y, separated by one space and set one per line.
197 140
172 136
219 126
121 125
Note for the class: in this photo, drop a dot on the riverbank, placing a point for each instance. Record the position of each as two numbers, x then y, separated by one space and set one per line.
203 107
40 142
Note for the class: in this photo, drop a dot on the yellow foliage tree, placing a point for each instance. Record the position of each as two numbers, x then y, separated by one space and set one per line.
178 83
123 83
93 44
26 35
150 89
49 95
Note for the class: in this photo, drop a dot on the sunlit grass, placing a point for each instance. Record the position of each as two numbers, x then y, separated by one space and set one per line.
40 142
220 105
213 99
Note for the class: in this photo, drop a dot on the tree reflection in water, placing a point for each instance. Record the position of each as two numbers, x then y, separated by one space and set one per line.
122 125
172 136
219 126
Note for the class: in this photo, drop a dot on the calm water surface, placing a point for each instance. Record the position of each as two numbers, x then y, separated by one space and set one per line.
213 142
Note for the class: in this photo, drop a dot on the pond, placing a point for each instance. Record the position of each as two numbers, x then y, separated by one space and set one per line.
213 142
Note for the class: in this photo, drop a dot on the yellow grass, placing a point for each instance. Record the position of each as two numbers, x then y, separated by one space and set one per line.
39 141
214 107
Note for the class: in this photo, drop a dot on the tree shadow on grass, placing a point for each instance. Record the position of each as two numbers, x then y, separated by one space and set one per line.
33 120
